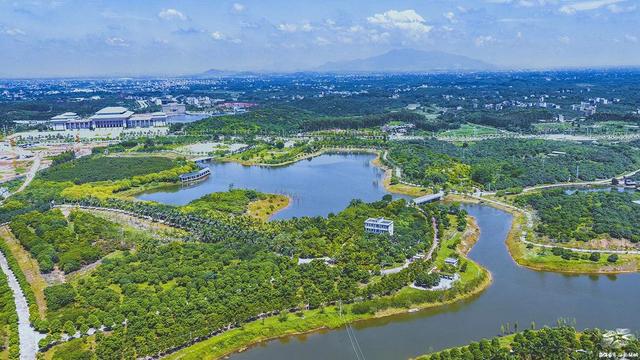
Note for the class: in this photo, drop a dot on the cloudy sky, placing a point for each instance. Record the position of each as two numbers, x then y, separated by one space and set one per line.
118 37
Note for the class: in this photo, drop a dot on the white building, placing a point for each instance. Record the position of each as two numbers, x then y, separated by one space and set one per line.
109 117
59 122
378 226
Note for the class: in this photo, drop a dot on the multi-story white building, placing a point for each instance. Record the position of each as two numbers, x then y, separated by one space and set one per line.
378 226
109 117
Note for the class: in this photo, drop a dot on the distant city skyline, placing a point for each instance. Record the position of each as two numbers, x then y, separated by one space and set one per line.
48 38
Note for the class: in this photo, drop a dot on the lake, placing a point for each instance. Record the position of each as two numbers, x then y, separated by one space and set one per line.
316 186
518 295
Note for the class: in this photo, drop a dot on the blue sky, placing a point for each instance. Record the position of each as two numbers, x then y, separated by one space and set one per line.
92 37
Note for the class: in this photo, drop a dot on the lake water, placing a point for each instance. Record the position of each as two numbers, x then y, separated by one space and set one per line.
317 186
327 183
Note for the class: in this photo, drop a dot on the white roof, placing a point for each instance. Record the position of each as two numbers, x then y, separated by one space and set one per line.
112 110
379 221
65 116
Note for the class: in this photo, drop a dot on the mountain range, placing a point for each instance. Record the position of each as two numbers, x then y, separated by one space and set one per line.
408 60
393 61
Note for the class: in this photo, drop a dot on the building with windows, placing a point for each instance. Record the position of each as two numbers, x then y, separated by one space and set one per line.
59 122
195 175
109 117
378 226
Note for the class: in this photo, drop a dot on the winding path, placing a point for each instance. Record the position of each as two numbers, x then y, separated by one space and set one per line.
29 337
529 217
427 256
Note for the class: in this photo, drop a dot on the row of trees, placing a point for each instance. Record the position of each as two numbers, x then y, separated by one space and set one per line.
52 239
585 215
563 342
510 163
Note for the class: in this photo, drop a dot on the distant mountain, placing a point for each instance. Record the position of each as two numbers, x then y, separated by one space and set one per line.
408 60
215 73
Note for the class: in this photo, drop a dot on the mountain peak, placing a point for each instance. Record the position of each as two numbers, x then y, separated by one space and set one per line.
408 60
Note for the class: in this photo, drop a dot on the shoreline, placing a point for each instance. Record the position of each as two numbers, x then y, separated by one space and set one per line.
512 243
470 237
320 152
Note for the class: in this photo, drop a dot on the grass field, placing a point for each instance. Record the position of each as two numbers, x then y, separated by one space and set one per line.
469 130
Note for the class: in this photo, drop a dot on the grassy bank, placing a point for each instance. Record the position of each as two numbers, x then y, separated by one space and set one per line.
542 259
264 209
28 266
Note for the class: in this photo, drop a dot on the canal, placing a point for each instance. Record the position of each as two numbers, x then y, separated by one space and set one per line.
518 295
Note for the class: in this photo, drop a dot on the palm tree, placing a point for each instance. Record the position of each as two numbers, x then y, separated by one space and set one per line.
616 339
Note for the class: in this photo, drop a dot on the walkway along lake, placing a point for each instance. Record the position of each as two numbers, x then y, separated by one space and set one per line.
327 184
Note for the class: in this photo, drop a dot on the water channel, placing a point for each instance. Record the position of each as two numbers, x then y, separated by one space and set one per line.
327 183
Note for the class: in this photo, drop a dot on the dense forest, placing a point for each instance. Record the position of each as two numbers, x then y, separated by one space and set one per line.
170 294
585 215
96 168
510 163
563 342
9 342
69 243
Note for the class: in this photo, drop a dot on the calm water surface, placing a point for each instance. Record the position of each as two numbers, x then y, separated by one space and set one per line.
318 186
326 184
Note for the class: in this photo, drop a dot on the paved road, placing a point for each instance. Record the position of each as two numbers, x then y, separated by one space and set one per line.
37 161
29 337
530 216
428 255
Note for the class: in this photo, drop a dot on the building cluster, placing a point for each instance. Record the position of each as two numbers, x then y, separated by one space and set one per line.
398 129
109 117
585 107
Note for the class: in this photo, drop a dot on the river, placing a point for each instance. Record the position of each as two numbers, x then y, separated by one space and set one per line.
518 295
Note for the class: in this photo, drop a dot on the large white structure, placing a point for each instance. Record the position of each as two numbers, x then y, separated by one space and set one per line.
59 122
109 117
378 226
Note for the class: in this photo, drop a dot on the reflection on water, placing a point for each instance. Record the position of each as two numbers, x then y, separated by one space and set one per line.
517 295
323 185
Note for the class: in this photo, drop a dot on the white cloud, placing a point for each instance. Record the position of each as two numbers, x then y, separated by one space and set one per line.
116 41
617 9
287 27
237 7
631 38
219 36
407 20
450 16
171 14
291 28
377 37
587 5
484 40
564 39
14 32
322 41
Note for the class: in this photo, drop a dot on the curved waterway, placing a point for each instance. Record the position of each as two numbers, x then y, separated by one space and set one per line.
517 295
